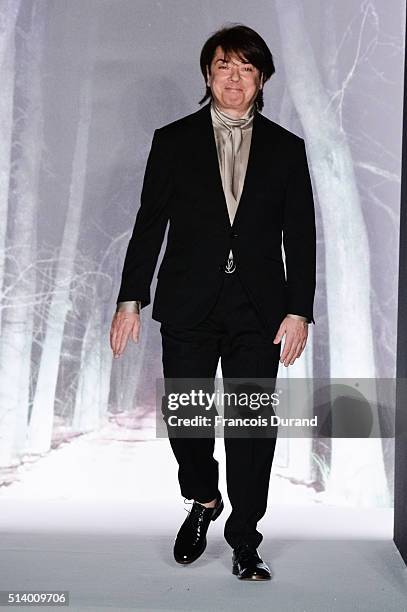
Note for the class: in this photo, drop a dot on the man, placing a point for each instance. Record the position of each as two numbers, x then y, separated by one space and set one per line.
232 185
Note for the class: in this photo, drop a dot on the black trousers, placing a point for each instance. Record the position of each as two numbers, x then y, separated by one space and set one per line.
234 333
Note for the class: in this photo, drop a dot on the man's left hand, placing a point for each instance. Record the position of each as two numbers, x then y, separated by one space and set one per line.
296 338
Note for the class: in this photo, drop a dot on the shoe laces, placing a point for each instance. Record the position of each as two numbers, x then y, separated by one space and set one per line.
195 507
244 551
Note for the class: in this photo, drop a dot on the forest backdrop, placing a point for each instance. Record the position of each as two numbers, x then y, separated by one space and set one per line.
83 86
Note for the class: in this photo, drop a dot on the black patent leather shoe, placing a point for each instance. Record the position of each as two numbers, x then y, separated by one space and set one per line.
190 542
248 565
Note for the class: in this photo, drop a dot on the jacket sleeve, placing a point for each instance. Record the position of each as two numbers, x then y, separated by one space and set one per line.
299 236
150 223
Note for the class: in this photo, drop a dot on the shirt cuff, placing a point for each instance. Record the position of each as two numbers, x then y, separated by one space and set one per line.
298 317
130 306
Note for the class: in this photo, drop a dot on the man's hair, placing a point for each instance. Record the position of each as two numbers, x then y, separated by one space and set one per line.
247 45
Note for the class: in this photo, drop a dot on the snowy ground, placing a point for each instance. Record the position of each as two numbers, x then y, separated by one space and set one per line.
98 516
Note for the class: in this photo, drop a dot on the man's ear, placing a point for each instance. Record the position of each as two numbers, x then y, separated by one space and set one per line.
207 76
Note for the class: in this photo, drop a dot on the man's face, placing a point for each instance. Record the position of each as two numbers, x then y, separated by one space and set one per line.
234 83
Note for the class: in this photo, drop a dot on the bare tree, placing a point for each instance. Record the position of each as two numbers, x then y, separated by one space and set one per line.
19 294
357 469
42 416
8 17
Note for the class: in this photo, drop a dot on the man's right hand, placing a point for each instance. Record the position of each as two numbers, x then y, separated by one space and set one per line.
124 324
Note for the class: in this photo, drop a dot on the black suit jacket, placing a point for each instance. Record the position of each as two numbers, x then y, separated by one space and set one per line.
182 185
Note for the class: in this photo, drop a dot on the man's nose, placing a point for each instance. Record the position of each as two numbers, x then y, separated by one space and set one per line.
235 76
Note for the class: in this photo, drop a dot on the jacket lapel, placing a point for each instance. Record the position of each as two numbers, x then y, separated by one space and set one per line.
209 157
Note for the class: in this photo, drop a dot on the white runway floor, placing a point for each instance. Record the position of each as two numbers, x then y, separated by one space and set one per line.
103 529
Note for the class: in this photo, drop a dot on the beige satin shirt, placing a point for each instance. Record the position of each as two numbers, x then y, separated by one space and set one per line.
233 138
